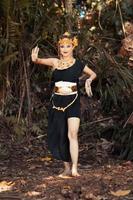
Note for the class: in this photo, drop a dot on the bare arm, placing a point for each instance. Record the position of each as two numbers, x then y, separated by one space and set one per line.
52 62
91 73
92 76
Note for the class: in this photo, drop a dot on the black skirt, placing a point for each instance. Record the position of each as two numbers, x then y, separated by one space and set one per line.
58 142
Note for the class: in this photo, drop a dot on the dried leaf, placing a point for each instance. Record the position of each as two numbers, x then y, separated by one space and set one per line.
119 193
46 159
4 185
33 193
66 187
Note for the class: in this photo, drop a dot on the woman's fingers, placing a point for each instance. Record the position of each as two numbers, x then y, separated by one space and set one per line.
86 84
34 53
89 92
35 50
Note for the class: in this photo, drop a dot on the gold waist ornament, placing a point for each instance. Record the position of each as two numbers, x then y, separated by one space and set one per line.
64 108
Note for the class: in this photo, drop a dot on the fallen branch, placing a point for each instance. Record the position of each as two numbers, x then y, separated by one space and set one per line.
99 120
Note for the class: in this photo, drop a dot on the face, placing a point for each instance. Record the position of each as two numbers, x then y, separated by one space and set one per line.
66 49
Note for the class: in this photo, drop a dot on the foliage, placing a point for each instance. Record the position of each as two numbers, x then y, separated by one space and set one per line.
115 81
26 23
126 142
122 137
114 84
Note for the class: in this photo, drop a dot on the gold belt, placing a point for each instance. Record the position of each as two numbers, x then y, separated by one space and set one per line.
73 88
64 108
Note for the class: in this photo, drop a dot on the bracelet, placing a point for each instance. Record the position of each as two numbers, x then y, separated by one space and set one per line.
89 79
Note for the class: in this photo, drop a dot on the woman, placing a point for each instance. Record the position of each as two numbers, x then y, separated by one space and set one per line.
64 113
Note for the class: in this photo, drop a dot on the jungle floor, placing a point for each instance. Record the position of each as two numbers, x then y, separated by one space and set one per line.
27 172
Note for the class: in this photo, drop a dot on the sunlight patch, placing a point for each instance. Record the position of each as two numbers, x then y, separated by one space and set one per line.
43 185
119 193
33 193
6 185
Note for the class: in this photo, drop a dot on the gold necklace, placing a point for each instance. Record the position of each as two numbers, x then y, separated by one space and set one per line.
64 64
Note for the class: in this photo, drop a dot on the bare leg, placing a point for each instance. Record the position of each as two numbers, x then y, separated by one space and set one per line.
73 127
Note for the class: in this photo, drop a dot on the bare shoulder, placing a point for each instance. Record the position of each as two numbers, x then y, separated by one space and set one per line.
55 62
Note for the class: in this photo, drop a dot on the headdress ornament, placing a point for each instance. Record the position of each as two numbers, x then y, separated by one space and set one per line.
67 39
67 34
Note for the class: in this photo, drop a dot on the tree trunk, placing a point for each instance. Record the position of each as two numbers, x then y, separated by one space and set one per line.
68 5
69 10
27 83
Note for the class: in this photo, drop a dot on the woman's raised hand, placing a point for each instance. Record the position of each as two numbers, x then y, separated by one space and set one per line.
34 54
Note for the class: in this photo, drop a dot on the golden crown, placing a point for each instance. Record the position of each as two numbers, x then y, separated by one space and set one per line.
67 40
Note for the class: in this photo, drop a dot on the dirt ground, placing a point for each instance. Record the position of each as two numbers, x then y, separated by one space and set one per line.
28 172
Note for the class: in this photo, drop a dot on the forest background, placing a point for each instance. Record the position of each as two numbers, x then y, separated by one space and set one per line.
105 32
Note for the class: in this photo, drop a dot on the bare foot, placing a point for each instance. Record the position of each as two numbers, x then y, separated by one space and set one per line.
75 173
65 174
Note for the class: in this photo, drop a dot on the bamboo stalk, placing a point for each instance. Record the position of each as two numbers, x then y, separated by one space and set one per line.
21 105
122 23
27 82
